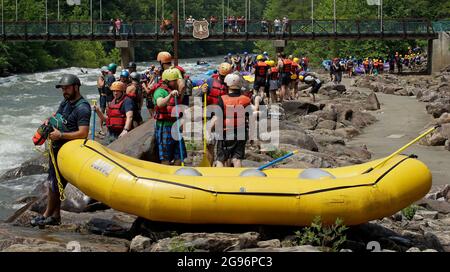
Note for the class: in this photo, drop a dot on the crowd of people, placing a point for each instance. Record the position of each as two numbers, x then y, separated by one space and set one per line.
395 62
249 81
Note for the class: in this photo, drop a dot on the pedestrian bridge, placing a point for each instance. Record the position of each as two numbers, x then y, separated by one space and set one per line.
393 29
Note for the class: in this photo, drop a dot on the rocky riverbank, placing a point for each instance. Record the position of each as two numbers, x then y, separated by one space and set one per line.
433 90
320 130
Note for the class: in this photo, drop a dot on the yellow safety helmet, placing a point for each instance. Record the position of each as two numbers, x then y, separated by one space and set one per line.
224 69
270 63
171 74
296 60
118 86
259 57
301 77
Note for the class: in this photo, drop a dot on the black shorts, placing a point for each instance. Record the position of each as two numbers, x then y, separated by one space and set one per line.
285 78
315 89
230 150
259 82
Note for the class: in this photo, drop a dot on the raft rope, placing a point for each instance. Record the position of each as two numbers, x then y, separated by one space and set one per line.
249 193
62 196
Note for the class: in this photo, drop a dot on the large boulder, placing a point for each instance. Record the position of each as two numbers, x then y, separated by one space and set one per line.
327 124
391 89
347 132
438 108
372 102
308 122
212 242
297 108
298 138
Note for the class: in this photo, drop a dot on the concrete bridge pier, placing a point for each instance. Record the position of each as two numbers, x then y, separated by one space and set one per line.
439 52
126 52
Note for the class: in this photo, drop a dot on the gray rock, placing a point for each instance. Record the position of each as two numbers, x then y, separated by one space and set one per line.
250 164
140 244
306 248
213 242
437 108
34 166
308 122
327 124
48 247
299 139
347 132
444 118
402 92
391 89
447 145
372 102
436 240
427 214
435 205
297 108
274 243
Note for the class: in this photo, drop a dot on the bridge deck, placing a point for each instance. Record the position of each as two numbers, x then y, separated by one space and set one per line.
254 30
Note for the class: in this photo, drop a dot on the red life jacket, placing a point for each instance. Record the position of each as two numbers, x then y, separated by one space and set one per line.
116 119
156 86
165 113
233 118
287 65
261 69
274 73
216 90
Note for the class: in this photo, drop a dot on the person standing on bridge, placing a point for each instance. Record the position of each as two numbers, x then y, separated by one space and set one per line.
76 112
118 24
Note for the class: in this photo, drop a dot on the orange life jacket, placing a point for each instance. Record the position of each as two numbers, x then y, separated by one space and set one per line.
116 119
274 73
287 65
234 111
165 113
261 69
217 89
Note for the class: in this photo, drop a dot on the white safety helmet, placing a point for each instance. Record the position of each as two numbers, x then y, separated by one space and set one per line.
233 81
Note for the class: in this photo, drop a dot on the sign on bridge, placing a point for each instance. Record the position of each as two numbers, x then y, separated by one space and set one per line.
201 30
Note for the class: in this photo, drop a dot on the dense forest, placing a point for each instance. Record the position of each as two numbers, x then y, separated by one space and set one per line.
16 57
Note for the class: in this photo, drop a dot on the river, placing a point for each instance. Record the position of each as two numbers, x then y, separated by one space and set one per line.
27 99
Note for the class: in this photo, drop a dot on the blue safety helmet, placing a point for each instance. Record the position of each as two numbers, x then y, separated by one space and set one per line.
124 73
245 53
229 54
265 53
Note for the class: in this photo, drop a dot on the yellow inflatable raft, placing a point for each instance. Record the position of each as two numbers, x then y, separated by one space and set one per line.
222 196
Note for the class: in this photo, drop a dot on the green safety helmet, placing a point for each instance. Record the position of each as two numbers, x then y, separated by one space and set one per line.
67 80
112 67
171 74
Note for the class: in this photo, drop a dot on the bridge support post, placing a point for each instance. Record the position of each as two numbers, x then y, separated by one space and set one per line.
126 52
279 45
439 52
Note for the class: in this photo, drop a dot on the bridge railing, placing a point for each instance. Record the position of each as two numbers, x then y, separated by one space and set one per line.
150 28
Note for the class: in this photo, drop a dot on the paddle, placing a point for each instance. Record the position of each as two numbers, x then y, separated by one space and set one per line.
94 102
402 148
205 162
178 128
278 160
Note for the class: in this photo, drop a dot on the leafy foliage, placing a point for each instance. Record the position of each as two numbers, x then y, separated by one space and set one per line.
409 211
327 237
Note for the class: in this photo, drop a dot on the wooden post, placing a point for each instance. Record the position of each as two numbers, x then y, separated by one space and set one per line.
175 39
